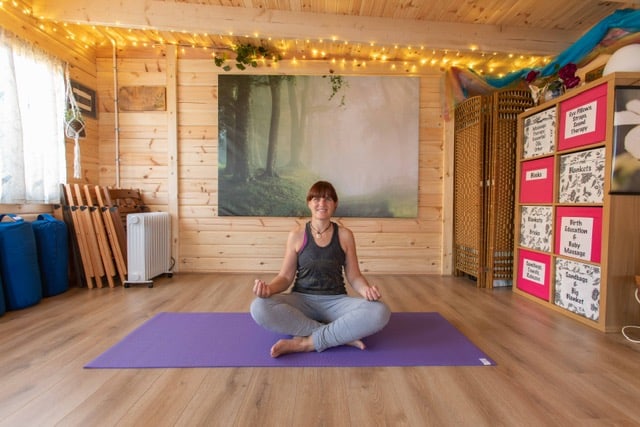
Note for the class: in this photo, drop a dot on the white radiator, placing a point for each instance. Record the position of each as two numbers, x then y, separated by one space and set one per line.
148 246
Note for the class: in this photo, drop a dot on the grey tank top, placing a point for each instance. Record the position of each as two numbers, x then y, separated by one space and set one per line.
319 269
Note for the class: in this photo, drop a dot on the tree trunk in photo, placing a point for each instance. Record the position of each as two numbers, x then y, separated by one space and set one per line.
226 126
296 141
239 149
275 83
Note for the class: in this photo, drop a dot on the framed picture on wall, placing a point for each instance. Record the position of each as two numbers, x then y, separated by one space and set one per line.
625 168
279 134
85 98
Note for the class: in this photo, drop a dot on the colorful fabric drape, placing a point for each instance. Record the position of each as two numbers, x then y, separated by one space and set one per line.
613 32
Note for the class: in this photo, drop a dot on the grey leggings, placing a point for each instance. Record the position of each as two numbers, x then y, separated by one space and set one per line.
331 320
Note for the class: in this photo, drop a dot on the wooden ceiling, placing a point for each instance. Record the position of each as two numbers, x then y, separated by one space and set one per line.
491 36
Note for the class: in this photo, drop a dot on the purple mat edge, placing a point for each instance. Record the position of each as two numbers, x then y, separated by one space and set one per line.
381 349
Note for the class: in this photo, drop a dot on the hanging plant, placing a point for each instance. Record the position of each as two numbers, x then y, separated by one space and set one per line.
247 55
73 123
74 126
337 83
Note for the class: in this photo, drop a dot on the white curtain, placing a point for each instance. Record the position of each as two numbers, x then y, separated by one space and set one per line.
32 104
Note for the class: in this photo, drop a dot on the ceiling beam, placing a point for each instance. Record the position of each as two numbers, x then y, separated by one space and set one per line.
252 22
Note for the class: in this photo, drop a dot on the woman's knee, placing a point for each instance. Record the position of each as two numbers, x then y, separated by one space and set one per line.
258 309
380 313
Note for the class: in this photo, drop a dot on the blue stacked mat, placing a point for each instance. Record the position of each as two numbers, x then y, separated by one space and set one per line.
53 254
19 263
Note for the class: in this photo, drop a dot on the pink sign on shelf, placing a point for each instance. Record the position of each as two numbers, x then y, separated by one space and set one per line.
579 232
533 273
536 181
583 118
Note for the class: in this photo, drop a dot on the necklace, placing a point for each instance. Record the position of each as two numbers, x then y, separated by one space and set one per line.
318 232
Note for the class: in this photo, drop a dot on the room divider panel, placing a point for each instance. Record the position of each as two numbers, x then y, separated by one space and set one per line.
484 185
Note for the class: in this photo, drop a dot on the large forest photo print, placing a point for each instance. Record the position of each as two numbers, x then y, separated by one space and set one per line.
279 134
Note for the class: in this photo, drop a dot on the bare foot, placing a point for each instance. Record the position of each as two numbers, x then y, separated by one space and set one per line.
293 345
358 344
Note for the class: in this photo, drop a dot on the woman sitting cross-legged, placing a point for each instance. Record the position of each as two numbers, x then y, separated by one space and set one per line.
318 313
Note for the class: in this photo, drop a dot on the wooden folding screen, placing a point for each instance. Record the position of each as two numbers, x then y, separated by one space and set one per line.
470 124
484 185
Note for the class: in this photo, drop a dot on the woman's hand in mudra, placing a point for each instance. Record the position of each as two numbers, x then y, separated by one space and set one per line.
371 293
261 289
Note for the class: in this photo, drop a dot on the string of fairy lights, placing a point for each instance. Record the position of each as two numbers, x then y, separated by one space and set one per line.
335 52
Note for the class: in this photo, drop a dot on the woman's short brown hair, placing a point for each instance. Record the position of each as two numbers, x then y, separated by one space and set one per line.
322 189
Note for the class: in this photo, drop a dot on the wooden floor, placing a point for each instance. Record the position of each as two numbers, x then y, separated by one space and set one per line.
550 369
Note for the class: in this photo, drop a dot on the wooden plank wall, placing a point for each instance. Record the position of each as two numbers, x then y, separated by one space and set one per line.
204 242
172 156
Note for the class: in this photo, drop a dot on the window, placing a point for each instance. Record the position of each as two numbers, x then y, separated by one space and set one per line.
32 104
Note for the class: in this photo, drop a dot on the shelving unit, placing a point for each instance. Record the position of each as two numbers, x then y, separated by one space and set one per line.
577 209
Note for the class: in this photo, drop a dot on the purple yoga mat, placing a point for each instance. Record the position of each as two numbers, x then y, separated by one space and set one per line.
198 340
